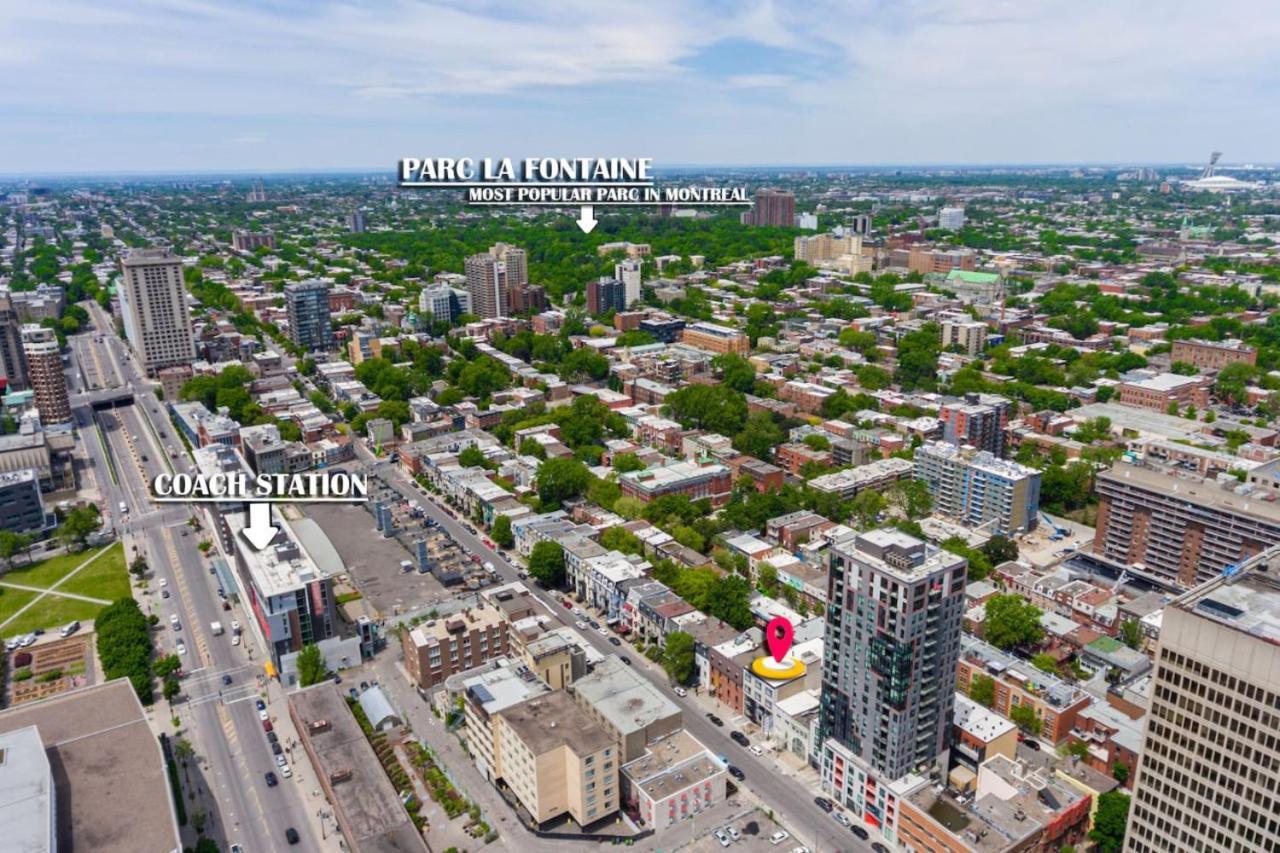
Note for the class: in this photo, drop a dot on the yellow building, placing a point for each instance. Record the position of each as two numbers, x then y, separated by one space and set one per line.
556 760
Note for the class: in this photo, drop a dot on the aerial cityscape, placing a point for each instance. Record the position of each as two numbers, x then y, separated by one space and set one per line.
393 471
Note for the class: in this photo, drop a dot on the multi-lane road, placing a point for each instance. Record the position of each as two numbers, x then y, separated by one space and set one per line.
126 447
793 804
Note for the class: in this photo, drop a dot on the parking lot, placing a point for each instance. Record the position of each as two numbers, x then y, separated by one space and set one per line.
373 561
755 834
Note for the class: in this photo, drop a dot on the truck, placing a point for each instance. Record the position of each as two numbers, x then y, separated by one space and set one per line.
216 628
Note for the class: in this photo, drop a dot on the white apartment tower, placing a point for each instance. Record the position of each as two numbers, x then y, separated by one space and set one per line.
153 300
628 272
951 218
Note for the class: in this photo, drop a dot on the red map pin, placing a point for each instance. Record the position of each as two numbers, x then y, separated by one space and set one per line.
779 634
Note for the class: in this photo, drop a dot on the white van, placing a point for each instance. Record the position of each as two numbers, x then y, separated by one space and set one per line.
69 629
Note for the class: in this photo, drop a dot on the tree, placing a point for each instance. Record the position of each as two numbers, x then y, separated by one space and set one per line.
982 689
205 844
1045 662
729 600
759 436
501 532
1120 772
867 506
311 666
584 363
624 462
677 657
918 358
562 479
912 498
621 539
138 567
735 372
1011 621
78 525
1025 718
11 544
629 507
1109 822
1131 633
546 564
471 457
1000 549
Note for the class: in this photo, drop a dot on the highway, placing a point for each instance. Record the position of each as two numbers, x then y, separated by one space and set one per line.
127 446
793 804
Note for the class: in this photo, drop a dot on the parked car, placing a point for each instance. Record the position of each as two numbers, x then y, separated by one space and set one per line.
173 620
736 772
780 836
286 772
263 715
625 659
681 692
281 761
823 803
858 832
733 832
272 737
226 679
739 738
266 726
841 818
755 750
722 837
182 648
272 781
260 705
291 835
715 720
276 749
615 641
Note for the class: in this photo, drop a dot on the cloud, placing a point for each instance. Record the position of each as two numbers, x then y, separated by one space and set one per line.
338 83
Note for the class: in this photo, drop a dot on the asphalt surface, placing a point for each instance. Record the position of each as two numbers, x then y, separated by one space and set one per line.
794 805
221 721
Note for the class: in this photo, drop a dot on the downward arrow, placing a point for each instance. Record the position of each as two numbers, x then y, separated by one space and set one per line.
260 531
587 221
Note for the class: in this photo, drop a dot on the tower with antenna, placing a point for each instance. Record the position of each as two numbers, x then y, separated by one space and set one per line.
1213 162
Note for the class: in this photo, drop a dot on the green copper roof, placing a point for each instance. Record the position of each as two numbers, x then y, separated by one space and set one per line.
973 277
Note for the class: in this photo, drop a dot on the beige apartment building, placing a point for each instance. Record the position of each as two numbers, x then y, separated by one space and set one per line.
556 759
153 302
1209 778
44 370
715 338
1213 355
964 332
435 650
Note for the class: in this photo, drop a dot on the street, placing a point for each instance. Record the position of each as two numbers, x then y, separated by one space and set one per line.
221 721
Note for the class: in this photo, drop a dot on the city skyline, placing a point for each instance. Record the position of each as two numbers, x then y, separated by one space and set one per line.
167 87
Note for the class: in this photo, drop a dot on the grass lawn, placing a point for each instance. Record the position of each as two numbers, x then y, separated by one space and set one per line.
11 601
51 612
106 577
46 573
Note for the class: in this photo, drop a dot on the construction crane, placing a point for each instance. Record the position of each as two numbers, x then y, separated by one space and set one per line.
1213 161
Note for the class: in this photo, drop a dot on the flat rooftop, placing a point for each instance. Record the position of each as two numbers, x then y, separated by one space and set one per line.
109 779
898 554
1248 600
509 684
275 572
973 719
548 722
672 764
26 791
1194 489
367 803
624 697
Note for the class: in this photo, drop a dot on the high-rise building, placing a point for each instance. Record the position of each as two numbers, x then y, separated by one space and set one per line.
605 295
951 218
444 303
1208 779
307 303
629 273
1180 530
356 223
153 301
772 207
978 420
826 247
979 489
13 361
963 331
528 299
492 275
860 223
895 608
44 366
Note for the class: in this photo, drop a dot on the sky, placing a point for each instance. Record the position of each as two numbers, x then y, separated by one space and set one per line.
271 85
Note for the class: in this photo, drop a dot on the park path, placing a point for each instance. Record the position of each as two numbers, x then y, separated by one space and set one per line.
58 593
53 589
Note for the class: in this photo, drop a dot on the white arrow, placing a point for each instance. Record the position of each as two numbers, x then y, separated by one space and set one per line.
587 221
260 531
